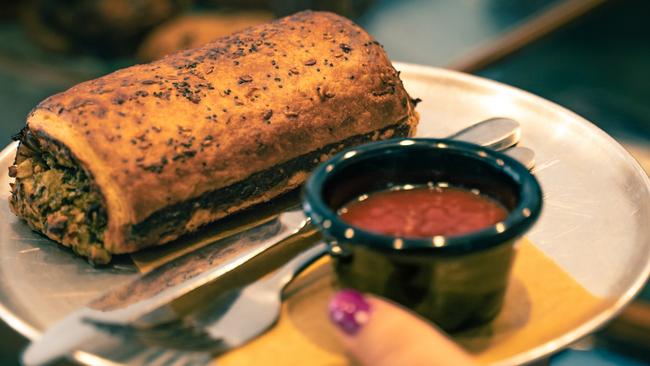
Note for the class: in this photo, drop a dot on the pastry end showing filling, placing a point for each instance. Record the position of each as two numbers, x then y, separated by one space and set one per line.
56 197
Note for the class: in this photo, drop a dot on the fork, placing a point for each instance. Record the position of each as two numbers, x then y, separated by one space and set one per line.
230 320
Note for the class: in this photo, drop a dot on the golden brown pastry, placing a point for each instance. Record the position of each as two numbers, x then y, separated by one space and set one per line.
194 30
143 155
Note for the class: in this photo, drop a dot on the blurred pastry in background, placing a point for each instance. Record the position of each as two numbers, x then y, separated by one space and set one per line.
193 30
103 27
151 29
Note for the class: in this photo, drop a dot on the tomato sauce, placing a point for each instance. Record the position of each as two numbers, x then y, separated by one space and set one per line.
423 212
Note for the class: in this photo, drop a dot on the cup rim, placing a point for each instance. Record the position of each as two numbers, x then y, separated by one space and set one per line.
518 221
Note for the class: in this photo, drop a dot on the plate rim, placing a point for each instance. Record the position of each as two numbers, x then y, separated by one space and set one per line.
545 350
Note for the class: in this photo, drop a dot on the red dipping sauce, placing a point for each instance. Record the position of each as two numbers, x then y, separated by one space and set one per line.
423 212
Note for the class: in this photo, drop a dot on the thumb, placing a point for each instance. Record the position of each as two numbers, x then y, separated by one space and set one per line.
378 333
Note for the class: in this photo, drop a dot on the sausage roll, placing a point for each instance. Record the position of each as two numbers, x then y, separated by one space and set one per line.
148 153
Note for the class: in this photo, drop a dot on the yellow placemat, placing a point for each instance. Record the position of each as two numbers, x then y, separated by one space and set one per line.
542 303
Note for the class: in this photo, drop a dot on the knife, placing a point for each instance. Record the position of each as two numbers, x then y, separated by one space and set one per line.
134 301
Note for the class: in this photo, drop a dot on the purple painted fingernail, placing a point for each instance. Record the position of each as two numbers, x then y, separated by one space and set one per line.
349 311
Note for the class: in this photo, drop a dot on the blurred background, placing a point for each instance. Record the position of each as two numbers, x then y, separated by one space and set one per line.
591 56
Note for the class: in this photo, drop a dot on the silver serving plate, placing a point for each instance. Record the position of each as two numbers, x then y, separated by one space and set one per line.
595 224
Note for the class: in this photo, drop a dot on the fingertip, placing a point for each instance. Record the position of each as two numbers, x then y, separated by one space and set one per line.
379 333
349 310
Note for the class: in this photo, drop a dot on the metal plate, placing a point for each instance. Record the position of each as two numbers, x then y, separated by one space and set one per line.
594 224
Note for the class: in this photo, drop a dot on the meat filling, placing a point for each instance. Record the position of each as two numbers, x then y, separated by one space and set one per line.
55 196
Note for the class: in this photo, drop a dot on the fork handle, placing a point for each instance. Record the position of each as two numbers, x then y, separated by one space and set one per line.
497 133
285 274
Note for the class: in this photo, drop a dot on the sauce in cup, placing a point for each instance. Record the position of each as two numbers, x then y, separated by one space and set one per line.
427 223
420 212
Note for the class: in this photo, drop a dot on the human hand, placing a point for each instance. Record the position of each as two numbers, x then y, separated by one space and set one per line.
378 333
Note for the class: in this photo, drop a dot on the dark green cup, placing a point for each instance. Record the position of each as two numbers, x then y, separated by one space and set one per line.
455 281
